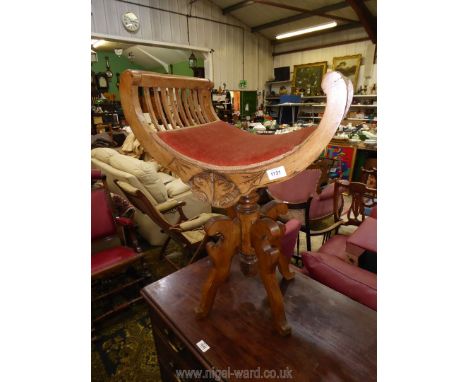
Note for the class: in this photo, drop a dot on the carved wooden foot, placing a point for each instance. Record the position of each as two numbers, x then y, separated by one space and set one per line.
266 238
221 254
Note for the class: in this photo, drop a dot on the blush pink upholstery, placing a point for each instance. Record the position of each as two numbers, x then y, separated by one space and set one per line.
356 283
300 190
221 144
288 242
322 205
297 189
365 236
335 246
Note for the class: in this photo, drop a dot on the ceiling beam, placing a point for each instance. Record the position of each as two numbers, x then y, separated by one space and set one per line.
321 46
300 16
367 19
302 10
339 28
236 6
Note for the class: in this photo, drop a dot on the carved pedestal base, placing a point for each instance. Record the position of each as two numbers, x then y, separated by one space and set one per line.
257 236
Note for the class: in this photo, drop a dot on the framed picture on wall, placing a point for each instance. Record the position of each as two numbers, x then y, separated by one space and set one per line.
307 78
348 66
345 157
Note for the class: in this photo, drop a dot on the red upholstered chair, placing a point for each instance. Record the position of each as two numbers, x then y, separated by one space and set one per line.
335 243
107 258
306 201
354 282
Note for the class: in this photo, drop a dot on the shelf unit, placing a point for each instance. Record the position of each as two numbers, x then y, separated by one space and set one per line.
358 111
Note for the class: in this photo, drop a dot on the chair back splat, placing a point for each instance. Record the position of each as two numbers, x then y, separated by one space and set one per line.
220 162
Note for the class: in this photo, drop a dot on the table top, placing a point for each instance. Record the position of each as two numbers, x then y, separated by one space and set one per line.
333 337
365 235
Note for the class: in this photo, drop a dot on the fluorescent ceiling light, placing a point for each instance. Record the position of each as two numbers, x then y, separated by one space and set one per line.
98 43
307 30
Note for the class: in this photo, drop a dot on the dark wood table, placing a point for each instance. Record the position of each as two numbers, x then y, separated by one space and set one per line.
333 337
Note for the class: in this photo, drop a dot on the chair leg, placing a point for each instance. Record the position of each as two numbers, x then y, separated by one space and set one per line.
221 255
198 250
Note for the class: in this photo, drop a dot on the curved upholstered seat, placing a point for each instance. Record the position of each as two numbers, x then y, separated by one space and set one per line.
219 161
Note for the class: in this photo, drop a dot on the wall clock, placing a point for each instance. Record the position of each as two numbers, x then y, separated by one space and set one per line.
130 21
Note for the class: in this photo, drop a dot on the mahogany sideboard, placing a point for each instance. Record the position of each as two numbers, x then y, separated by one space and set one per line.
333 337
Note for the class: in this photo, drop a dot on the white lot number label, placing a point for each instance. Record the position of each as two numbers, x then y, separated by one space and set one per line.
276 173
203 346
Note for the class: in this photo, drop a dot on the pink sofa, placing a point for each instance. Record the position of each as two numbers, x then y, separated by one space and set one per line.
354 282
330 266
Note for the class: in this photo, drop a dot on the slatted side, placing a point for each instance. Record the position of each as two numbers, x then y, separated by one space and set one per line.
203 111
173 107
207 105
186 104
159 108
196 106
160 125
191 106
173 102
166 108
149 107
180 107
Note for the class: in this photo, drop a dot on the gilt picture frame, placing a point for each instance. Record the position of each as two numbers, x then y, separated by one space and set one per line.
348 66
307 78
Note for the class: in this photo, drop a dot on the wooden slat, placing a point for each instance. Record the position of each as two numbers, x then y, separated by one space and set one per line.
159 107
160 125
149 106
186 105
196 105
163 94
173 107
195 117
208 106
180 108
203 110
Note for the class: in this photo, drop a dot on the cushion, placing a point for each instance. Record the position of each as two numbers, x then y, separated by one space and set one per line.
356 283
221 144
109 258
145 172
197 222
335 246
298 189
176 187
365 236
327 192
103 154
165 178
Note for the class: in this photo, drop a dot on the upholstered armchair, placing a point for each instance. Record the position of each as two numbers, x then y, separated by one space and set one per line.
187 233
306 200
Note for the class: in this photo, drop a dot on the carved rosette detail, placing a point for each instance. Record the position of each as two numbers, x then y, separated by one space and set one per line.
215 189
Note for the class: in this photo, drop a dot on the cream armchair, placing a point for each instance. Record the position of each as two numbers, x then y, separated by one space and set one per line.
161 189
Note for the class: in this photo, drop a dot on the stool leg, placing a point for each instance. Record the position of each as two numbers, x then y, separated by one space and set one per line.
221 254
266 238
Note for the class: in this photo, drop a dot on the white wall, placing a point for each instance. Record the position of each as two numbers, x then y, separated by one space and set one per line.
228 42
